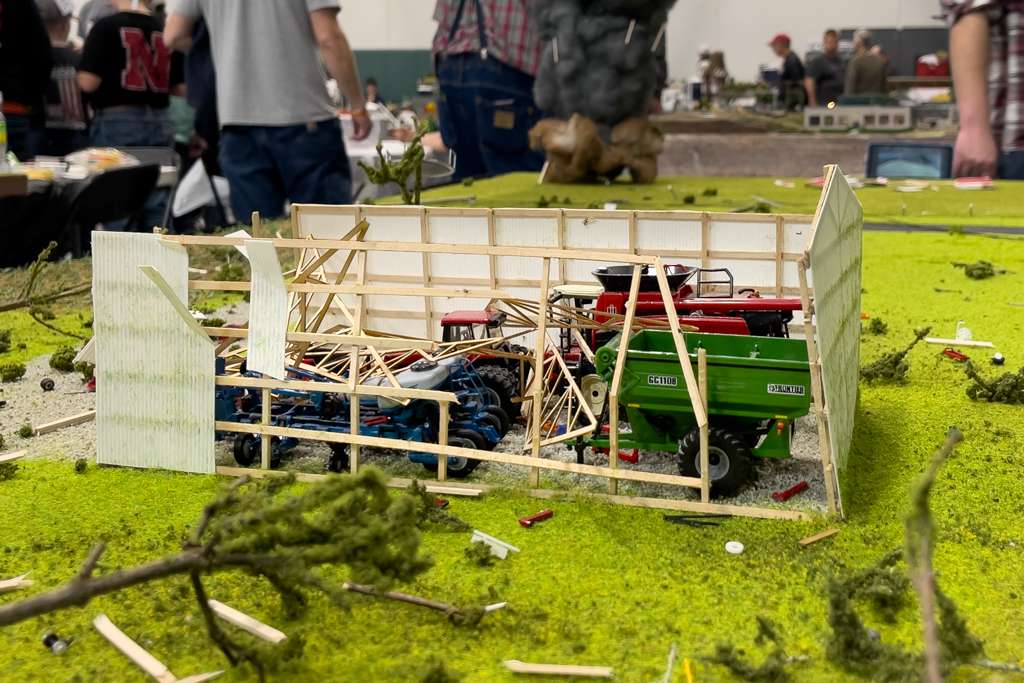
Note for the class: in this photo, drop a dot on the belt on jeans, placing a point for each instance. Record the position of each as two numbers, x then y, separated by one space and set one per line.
126 108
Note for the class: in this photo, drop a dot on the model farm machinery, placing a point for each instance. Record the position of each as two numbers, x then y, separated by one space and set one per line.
477 421
756 388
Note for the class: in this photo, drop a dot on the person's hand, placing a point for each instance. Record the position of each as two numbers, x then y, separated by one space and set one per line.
975 153
361 124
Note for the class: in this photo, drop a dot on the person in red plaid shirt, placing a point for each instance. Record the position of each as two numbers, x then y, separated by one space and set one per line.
986 40
486 56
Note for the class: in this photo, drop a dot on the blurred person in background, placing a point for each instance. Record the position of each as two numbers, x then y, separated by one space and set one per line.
986 45
791 78
280 136
24 75
128 74
373 91
826 72
486 56
91 12
66 119
866 72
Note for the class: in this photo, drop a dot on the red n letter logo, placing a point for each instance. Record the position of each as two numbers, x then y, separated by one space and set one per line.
145 68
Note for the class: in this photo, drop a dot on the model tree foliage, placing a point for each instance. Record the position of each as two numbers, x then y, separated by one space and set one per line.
410 164
296 539
1007 388
892 367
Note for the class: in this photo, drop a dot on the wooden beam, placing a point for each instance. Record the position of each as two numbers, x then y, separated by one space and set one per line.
345 339
620 365
376 290
331 388
702 381
821 536
246 623
677 338
517 667
80 418
265 421
538 368
12 456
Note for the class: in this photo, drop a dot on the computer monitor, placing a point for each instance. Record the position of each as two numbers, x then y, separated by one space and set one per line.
909 160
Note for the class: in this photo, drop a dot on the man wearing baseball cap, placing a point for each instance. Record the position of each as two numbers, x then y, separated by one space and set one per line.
791 80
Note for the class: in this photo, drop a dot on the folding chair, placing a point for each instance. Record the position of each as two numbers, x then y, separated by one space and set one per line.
106 197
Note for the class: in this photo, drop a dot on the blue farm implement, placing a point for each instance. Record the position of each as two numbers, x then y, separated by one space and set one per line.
477 421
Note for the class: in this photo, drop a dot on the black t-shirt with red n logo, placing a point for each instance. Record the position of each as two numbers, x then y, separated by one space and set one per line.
126 50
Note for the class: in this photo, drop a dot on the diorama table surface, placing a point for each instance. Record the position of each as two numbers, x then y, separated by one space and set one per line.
596 584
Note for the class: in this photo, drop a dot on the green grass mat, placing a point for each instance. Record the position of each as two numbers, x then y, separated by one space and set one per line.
596 584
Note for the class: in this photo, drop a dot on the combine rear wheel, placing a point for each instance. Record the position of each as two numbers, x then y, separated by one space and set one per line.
504 383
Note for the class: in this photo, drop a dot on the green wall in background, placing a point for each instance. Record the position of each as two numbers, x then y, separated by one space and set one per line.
396 71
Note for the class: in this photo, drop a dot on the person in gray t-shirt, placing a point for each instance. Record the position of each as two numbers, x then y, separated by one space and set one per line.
280 138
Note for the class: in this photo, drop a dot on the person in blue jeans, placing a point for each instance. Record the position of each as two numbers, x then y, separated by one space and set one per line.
487 53
280 135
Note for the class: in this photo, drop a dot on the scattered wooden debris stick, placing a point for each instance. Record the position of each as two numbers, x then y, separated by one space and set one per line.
246 623
12 456
672 654
499 548
17 583
960 342
145 661
517 667
821 536
87 416
451 611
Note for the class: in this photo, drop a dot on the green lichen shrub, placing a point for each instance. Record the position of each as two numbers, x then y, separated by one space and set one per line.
81 465
436 671
2 442
877 327
771 670
1007 388
892 367
214 322
979 270
429 514
63 359
11 371
8 470
479 554
5 341
25 431
710 192
87 370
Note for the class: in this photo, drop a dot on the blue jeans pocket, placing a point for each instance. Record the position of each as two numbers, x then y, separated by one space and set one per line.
504 123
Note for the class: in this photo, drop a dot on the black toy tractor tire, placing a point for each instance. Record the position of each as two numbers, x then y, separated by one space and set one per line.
490 419
462 467
502 417
730 459
338 461
246 449
503 382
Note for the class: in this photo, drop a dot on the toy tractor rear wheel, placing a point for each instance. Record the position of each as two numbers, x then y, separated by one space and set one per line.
504 383
490 419
730 462
502 418
246 450
338 462
459 467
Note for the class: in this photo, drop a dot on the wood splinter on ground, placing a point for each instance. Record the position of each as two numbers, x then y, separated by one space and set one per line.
145 661
12 456
246 623
821 536
517 667
17 583
87 416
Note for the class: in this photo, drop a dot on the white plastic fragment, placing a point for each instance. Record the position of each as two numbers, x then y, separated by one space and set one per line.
495 607
499 548
734 548
17 583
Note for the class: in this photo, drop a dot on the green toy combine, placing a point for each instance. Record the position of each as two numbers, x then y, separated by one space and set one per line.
757 387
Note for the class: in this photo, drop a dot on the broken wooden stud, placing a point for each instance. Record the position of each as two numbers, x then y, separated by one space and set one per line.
246 623
819 536
87 416
517 667
499 548
17 583
536 518
12 456
140 657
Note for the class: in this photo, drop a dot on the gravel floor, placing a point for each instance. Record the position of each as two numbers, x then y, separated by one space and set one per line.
27 402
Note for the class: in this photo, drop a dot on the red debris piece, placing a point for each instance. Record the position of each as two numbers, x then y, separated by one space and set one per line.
538 517
91 384
441 503
783 496
632 458
952 353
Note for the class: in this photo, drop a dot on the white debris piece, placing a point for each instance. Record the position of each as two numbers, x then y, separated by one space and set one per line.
499 548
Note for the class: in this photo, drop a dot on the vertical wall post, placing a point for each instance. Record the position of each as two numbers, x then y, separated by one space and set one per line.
620 362
442 439
265 438
537 390
702 380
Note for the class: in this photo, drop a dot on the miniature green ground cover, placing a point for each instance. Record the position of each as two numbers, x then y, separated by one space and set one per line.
1002 206
596 584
